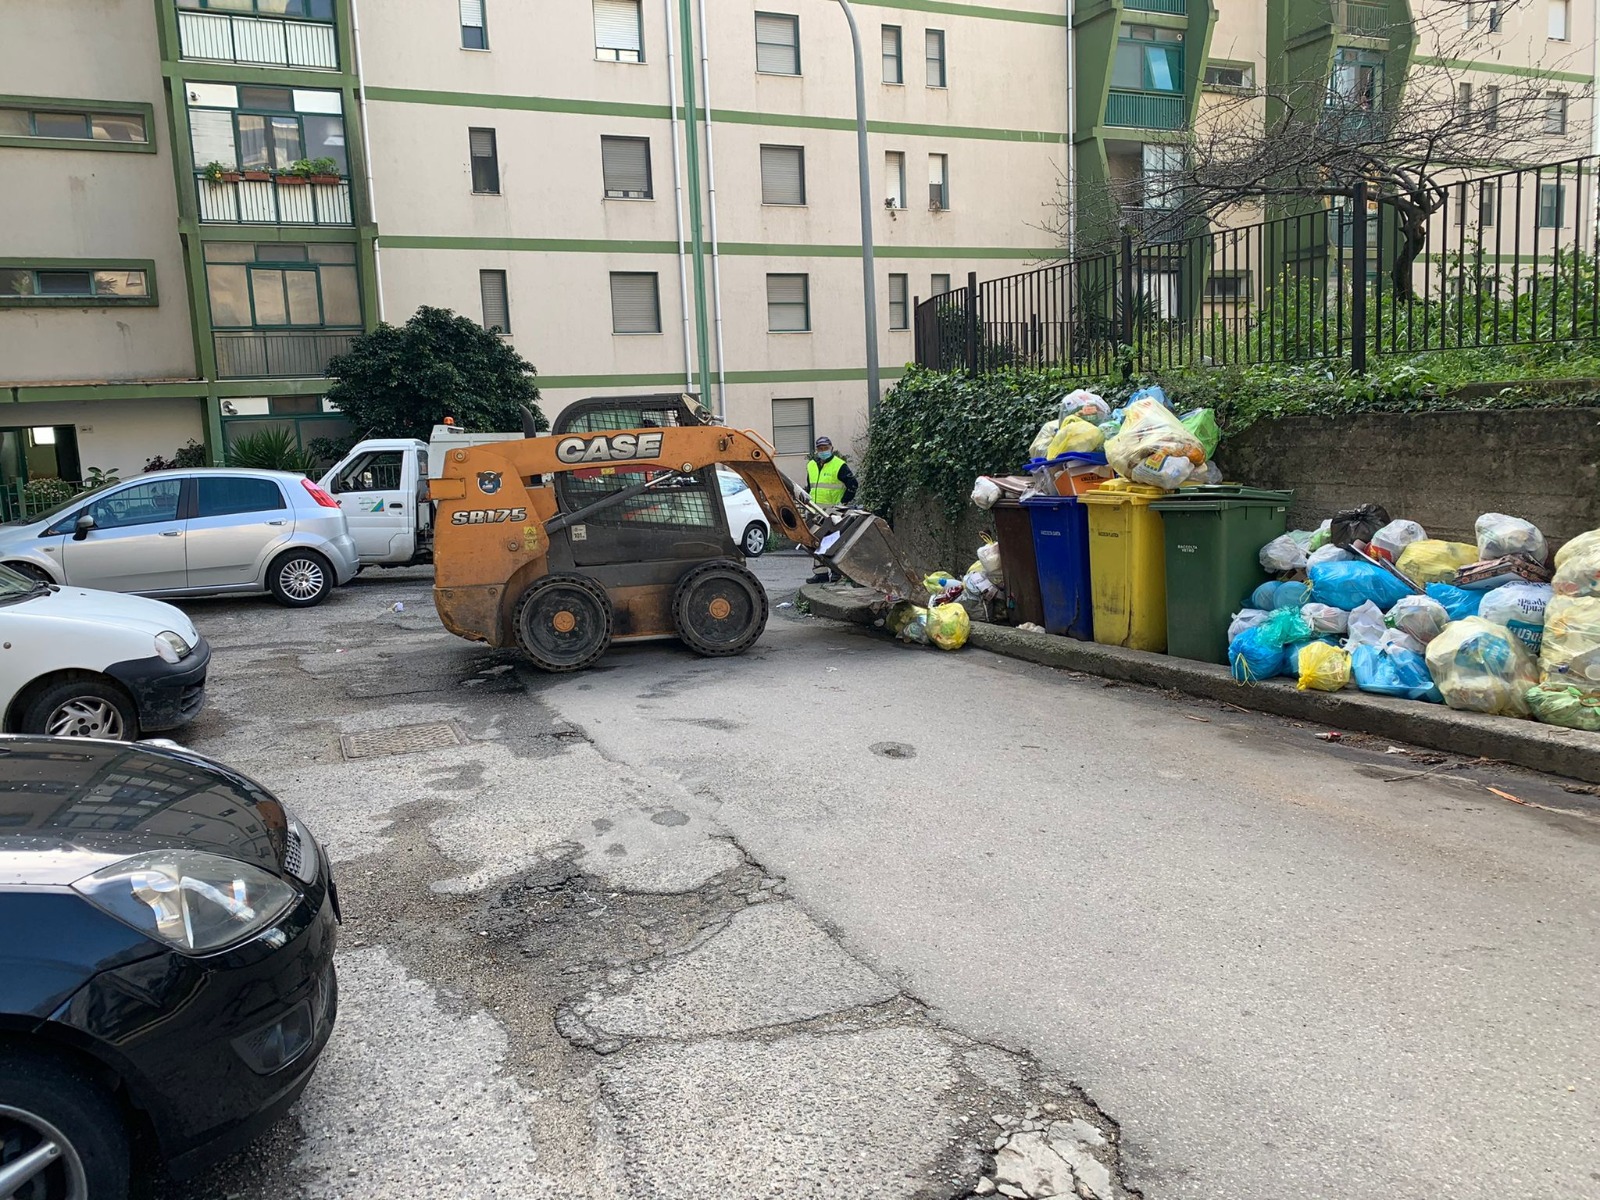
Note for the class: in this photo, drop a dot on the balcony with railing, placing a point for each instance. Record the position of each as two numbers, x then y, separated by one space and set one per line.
278 353
1361 18
257 198
1173 7
1145 110
266 41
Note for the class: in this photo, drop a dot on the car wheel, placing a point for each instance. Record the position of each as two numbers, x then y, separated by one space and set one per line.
754 541
31 571
94 708
300 578
61 1136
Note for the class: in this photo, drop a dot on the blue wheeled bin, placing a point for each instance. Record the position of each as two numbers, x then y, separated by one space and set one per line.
1061 552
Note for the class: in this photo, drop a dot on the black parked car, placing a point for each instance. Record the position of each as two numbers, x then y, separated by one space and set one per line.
166 962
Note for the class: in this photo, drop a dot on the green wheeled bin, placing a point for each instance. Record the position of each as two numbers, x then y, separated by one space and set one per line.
1214 537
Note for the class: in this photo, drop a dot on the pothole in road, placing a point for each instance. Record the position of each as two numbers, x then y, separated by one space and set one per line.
893 749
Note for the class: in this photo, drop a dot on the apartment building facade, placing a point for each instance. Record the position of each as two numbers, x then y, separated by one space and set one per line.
206 200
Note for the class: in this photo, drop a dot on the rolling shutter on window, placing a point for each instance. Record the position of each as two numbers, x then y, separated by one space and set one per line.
775 49
472 13
783 175
791 426
634 306
482 143
616 25
625 163
496 314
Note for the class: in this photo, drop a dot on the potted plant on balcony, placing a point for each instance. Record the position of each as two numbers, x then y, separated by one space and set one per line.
258 175
296 173
216 172
325 171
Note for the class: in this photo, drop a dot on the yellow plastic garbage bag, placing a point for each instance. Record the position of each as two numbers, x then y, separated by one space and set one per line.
1581 544
1433 561
948 626
1323 667
1570 651
1479 666
1151 435
1076 436
1579 575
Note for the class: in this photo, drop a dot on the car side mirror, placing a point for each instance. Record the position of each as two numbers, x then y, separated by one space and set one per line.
84 523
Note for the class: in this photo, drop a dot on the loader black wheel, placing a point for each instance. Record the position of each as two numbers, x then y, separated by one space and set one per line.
719 609
563 622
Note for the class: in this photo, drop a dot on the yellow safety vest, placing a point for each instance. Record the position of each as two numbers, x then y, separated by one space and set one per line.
824 479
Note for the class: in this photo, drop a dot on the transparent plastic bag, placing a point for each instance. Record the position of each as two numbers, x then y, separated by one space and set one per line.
1423 617
1286 553
1202 422
1324 618
1323 668
1480 667
1565 705
1151 438
1520 608
1246 618
1581 544
978 586
1075 436
948 626
1500 535
1320 536
1394 537
1431 561
1328 553
1041 440
1086 404
1399 639
1570 651
1579 575
1366 625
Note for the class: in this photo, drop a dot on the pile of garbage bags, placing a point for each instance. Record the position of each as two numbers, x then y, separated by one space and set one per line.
1488 626
1144 440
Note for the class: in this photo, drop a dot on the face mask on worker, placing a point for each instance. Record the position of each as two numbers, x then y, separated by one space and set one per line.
824 455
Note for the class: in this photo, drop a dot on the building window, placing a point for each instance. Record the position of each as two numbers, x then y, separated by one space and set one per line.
71 284
474 31
96 130
935 39
1149 59
1555 112
1494 16
1222 76
1491 107
635 302
1488 203
1463 99
1560 20
788 304
783 175
938 182
625 165
893 66
938 285
618 31
1357 81
1161 178
899 302
485 162
313 10
1552 205
496 304
894 177
1228 287
792 427
255 128
273 285
777 44
1460 199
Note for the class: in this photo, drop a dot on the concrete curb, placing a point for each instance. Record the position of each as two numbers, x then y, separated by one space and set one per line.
1572 753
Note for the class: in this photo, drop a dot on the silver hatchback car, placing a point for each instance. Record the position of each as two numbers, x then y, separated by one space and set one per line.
192 532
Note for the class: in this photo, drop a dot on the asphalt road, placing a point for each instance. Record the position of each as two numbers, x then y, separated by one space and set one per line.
818 920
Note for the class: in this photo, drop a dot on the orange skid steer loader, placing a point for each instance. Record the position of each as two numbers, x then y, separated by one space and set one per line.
611 528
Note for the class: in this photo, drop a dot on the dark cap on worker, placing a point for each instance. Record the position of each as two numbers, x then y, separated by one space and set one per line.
824 441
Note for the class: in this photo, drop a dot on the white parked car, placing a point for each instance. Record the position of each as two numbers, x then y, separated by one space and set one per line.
746 521
80 663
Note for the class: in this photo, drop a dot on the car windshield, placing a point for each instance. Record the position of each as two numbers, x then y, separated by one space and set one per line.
731 484
14 585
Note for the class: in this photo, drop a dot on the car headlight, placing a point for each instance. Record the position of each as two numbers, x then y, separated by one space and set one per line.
193 901
171 646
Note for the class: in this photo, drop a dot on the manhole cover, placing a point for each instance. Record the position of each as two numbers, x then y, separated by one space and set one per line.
402 739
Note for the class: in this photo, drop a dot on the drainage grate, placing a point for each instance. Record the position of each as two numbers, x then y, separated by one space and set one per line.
402 739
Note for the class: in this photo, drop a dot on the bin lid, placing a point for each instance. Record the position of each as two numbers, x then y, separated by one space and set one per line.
1123 491
1212 497
1049 501
1096 457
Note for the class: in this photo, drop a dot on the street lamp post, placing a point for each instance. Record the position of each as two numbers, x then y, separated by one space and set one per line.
869 288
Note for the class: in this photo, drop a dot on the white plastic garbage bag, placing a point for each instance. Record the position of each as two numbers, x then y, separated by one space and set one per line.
1395 537
1520 608
1086 404
1366 625
1246 618
1423 617
985 492
1500 535
989 558
1399 639
1325 618
1286 553
1329 553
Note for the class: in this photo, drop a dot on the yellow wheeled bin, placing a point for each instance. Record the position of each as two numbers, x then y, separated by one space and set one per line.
1127 565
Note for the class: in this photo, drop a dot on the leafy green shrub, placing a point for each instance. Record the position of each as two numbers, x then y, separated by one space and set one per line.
271 449
191 455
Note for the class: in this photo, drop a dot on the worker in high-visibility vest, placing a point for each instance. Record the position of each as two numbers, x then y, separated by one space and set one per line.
830 482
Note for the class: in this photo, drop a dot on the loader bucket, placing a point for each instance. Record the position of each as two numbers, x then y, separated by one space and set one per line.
862 547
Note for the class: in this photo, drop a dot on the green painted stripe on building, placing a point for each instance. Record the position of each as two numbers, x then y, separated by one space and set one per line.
674 379
105 391
401 241
1492 68
981 11
730 116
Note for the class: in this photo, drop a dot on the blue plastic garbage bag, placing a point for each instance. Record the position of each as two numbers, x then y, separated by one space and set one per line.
1154 392
1291 664
1458 602
1272 594
1393 672
1255 657
1348 585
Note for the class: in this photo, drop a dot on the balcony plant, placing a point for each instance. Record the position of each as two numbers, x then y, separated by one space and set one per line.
298 172
216 172
257 175
324 171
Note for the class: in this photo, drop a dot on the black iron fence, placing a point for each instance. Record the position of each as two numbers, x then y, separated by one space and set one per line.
1498 260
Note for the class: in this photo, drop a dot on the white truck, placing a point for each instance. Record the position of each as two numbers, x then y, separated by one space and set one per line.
382 486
